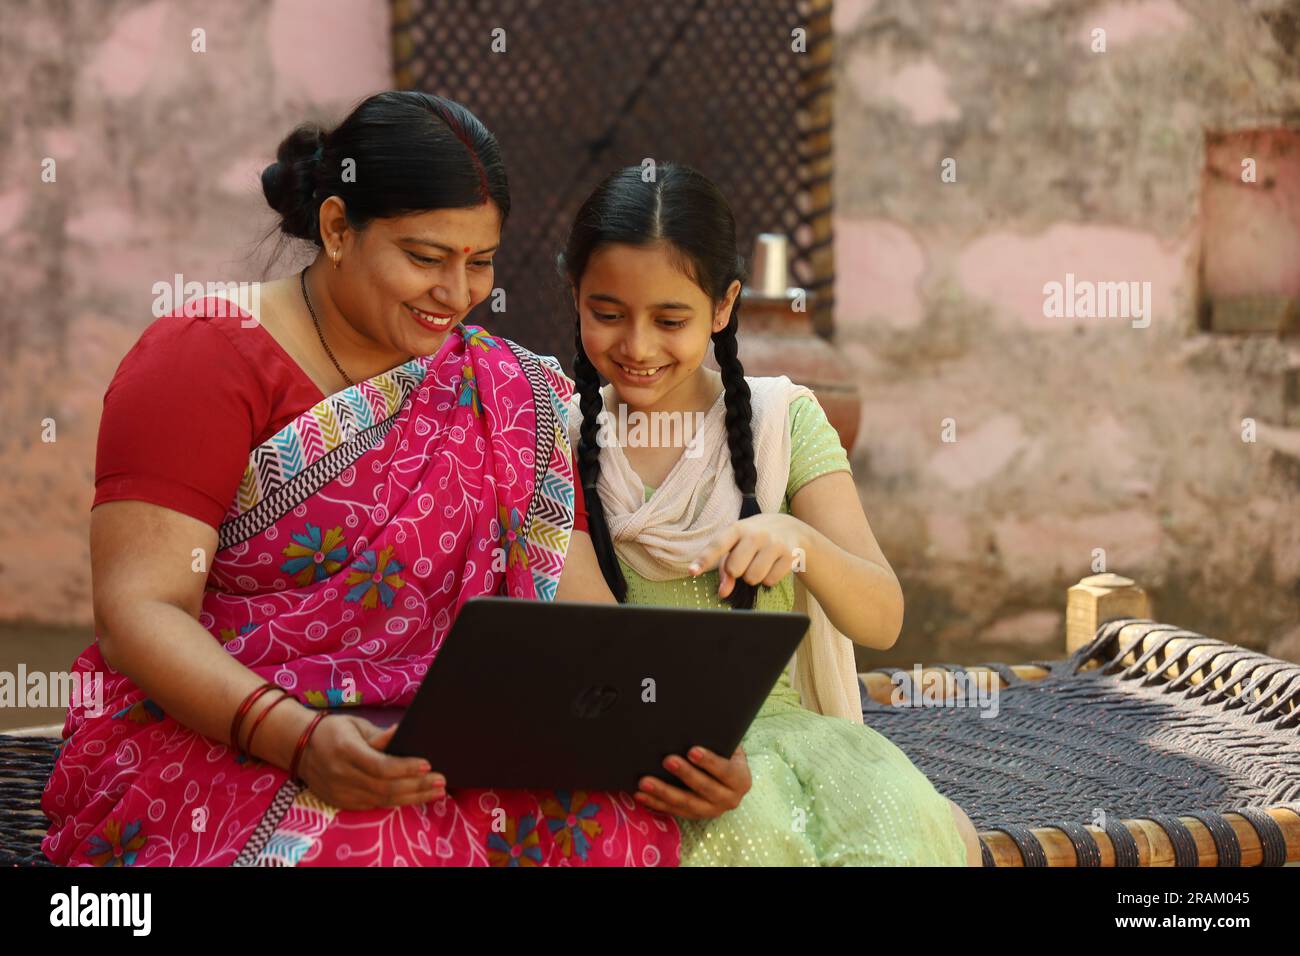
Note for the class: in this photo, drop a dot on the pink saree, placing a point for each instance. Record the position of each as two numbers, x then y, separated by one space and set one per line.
358 532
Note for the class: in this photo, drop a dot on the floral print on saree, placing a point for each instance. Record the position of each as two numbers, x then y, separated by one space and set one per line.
356 535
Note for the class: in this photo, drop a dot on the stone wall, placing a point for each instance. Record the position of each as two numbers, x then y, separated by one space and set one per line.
1071 434
157 151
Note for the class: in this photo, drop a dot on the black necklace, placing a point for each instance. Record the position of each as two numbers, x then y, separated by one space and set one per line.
316 322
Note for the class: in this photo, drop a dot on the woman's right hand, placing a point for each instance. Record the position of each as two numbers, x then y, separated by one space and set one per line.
345 765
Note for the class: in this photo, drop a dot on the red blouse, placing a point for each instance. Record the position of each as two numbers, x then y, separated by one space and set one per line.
188 404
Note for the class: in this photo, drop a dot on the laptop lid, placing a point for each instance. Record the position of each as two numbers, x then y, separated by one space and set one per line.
555 695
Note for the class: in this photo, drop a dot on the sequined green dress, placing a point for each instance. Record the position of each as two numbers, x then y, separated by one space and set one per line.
826 792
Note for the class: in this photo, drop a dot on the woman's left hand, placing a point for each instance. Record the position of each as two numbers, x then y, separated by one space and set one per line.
759 550
717 785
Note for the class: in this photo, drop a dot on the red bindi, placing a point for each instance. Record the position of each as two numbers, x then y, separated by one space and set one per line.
467 248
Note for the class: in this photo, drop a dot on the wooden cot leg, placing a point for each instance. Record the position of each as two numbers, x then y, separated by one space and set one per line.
1097 599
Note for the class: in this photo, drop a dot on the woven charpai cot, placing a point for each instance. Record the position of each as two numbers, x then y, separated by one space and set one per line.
1147 745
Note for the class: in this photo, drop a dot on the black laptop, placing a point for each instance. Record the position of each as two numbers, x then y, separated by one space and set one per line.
553 695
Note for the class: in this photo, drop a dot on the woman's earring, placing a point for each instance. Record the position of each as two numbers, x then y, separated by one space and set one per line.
336 255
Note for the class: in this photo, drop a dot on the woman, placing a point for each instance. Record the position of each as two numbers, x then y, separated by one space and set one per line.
762 490
292 506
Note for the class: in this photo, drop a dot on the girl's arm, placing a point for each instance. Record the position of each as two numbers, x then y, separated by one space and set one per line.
844 568
826 538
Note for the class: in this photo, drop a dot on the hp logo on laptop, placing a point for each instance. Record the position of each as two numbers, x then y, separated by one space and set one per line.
594 701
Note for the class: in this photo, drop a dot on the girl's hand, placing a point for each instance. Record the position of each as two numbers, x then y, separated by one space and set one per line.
345 765
760 550
717 785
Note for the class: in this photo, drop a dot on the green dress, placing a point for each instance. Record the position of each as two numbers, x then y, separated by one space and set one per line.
826 791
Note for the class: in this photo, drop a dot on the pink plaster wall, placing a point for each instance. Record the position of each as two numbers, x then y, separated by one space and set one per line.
158 149
1072 434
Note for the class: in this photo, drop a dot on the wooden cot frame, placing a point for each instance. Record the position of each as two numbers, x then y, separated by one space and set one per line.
1090 603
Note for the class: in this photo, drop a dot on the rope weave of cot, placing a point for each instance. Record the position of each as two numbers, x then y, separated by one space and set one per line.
1098 741
1095 734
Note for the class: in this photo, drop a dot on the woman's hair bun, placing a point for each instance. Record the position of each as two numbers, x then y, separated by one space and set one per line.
289 184
419 152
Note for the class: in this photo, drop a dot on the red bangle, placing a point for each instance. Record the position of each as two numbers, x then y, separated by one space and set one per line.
302 743
243 712
248 747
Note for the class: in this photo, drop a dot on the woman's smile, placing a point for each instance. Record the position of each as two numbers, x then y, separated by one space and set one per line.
431 320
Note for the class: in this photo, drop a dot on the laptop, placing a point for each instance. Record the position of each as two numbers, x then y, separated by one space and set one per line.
557 695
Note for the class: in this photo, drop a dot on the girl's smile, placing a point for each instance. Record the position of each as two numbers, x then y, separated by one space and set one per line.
634 377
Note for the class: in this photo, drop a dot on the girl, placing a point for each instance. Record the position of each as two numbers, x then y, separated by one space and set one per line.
763 490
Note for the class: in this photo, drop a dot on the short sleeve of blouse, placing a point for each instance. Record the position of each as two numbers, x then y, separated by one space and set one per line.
815 448
579 505
188 402
178 420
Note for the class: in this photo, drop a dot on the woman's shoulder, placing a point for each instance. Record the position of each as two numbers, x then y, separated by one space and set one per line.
181 413
209 359
207 323
547 365
194 340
